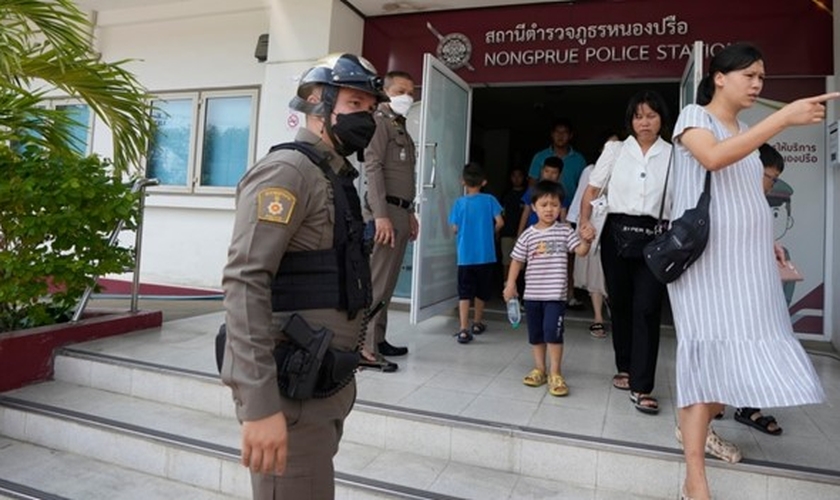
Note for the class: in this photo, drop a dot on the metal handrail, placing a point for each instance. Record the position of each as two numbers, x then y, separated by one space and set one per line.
139 186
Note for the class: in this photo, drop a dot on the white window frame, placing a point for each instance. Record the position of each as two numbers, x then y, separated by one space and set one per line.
187 186
55 103
199 100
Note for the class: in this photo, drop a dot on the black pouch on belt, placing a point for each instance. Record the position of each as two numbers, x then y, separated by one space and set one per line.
632 233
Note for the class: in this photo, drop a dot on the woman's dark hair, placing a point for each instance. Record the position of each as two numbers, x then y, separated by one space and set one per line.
732 58
655 101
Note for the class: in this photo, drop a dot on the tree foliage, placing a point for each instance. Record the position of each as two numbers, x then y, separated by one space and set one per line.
56 216
58 208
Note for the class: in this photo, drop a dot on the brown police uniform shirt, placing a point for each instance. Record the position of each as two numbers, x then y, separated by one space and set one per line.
389 163
283 204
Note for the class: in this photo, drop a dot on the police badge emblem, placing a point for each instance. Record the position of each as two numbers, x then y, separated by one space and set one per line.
453 49
275 205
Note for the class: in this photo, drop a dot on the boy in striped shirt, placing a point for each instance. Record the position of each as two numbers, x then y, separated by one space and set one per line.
545 247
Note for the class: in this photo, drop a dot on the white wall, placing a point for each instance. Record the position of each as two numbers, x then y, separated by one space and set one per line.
214 50
301 32
185 47
347 31
209 44
833 199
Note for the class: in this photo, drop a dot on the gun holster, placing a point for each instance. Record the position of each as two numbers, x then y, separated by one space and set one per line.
306 366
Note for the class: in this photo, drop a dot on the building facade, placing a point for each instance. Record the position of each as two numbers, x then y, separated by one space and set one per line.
222 91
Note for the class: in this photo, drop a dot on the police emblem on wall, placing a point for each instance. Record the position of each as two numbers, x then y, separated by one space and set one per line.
453 49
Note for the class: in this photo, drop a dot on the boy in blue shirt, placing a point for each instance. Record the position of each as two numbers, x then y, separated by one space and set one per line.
475 218
551 170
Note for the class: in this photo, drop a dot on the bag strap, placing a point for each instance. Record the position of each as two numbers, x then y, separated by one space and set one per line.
707 185
612 169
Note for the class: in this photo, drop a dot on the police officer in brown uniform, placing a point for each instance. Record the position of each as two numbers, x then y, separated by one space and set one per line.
297 249
389 207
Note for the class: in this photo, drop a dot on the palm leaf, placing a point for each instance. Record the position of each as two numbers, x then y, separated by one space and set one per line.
47 42
59 22
112 93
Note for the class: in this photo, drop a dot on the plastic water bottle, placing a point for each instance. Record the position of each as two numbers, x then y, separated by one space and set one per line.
514 315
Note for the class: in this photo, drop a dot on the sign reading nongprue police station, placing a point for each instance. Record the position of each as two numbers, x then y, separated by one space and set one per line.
599 40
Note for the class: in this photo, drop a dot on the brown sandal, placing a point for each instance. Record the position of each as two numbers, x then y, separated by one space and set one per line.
621 381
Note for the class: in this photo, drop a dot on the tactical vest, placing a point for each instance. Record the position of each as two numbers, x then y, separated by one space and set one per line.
333 278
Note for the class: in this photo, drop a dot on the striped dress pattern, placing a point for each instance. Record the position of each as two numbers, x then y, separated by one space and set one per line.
735 341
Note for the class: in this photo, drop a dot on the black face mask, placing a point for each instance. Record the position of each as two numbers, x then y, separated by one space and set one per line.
353 131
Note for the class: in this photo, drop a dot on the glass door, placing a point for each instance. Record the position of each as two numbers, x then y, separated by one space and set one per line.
443 150
691 76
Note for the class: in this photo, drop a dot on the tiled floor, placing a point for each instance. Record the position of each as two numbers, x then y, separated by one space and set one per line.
483 380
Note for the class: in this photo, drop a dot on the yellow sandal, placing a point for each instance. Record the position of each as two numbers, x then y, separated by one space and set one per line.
535 378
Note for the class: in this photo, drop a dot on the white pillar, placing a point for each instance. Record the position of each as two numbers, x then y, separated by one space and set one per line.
301 32
832 288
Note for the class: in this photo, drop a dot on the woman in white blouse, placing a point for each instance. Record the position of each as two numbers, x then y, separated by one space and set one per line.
633 174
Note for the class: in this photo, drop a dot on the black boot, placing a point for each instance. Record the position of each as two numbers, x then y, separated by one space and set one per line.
387 349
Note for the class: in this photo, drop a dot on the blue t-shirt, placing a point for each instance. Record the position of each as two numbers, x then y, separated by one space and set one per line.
573 165
526 200
532 217
475 215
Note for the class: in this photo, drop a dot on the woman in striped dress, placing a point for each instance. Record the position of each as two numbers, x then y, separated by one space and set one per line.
735 341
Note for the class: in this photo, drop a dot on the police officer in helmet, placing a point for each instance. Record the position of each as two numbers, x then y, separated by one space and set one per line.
296 210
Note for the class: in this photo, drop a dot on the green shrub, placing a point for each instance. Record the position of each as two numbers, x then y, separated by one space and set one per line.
57 212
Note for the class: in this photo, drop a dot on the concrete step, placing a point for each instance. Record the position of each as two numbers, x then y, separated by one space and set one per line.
195 448
592 464
180 445
31 471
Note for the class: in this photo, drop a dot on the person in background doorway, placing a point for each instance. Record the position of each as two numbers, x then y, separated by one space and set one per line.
475 218
545 247
512 211
551 170
588 273
562 134
633 172
780 197
740 356
283 228
389 210
561 147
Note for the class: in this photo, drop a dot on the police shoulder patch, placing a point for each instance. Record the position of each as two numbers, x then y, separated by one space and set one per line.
275 204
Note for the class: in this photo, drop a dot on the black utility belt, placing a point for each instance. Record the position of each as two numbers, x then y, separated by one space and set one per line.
394 200
307 367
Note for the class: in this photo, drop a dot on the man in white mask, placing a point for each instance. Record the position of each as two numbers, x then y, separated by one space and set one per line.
389 209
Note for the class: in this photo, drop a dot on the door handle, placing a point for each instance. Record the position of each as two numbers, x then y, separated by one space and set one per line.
433 174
